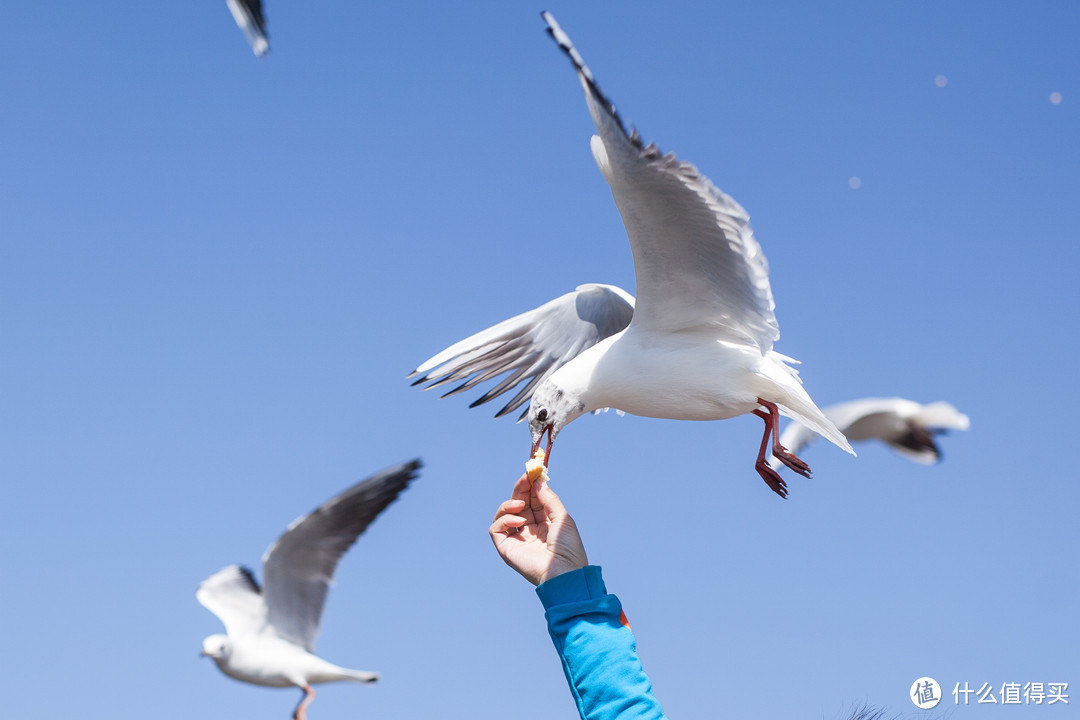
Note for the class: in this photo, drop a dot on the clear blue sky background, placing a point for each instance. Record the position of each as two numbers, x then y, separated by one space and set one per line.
215 273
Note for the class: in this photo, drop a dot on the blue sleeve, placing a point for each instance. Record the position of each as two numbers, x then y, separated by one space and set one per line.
597 648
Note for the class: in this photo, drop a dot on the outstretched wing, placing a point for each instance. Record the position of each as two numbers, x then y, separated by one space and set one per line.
907 426
696 261
299 567
233 595
860 419
941 415
530 346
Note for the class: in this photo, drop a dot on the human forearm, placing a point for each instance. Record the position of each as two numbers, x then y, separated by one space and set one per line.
597 648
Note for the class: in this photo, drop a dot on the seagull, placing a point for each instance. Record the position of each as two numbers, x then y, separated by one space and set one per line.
905 425
271 631
697 342
249 16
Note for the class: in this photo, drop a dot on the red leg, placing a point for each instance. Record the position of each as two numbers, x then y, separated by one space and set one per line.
771 416
301 709
770 476
772 422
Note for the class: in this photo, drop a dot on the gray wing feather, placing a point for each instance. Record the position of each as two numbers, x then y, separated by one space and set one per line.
299 567
529 346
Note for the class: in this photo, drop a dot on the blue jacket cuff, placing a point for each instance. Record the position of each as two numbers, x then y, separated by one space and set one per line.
585 583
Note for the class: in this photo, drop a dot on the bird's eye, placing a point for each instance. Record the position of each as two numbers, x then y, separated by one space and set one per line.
542 415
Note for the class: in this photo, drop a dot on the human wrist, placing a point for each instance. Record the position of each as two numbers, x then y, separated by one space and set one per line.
582 583
554 571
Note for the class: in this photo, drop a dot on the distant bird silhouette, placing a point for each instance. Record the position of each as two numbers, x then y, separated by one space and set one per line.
271 631
249 16
905 425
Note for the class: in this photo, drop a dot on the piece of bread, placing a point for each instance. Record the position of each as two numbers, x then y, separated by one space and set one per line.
535 468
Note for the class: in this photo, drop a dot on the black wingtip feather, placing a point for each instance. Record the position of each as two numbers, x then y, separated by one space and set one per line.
563 41
249 576
409 470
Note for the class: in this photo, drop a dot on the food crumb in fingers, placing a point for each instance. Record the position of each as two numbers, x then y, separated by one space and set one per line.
535 468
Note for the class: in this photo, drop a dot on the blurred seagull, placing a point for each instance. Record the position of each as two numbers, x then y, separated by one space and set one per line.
697 344
249 16
271 631
905 425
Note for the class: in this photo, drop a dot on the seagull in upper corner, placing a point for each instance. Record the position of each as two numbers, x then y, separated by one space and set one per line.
271 631
905 425
696 344
249 16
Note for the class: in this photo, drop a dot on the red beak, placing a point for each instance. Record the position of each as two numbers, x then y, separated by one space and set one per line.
547 451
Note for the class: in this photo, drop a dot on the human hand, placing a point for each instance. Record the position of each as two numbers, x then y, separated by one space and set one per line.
535 535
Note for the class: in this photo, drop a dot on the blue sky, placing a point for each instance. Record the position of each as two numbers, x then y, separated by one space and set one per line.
215 273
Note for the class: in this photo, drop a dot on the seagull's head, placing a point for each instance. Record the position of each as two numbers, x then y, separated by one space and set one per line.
217 647
550 410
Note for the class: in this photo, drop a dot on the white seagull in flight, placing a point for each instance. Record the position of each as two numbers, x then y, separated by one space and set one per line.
905 425
271 631
697 343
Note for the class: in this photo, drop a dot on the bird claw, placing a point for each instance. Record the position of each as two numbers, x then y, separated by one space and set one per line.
772 478
792 461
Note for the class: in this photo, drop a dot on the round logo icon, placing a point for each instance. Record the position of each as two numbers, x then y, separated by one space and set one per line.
925 693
